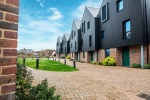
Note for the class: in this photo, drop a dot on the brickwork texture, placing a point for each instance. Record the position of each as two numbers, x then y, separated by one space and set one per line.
9 10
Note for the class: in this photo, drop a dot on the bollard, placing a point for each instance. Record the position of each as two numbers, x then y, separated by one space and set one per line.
59 60
24 61
74 63
55 59
65 62
37 63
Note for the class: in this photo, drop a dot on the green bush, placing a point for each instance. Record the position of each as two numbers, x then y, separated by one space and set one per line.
100 63
109 61
135 65
93 62
71 59
82 61
25 90
68 57
147 66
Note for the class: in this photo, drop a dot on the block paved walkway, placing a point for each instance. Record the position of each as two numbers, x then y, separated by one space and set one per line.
94 82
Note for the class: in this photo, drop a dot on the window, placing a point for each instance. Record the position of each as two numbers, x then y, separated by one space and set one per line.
102 34
57 44
107 52
75 44
104 13
84 27
83 54
65 49
88 25
72 54
71 45
74 33
119 5
82 42
90 40
127 29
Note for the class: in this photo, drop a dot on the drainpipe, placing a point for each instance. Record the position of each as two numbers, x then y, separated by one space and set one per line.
146 31
79 56
142 56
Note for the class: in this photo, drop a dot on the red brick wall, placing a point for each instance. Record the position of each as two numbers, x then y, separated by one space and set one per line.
86 58
8 43
117 54
135 54
101 55
73 55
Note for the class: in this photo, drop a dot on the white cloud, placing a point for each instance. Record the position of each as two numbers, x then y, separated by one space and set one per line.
41 2
38 34
78 13
56 14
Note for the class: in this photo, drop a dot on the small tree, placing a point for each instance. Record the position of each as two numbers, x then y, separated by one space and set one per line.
25 90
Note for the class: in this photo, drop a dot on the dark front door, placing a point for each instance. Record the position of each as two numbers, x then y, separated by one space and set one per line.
92 56
76 56
125 56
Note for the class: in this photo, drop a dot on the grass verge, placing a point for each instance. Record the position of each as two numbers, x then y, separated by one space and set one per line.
48 65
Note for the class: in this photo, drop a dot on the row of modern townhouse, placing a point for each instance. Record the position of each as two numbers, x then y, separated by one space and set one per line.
119 28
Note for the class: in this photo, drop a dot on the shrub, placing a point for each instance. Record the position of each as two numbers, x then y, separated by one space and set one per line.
25 90
135 65
100 63
147 66
93 62
109 61
68 57
71 59
82 61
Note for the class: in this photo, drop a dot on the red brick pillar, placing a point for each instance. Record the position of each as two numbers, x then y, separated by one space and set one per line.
8 43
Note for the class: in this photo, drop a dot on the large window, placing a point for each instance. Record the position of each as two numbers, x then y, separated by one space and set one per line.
102 34
119 5
65 49
107 52
90 40
104 13
81 42
75 45
74 33
127 29
84 27
88 25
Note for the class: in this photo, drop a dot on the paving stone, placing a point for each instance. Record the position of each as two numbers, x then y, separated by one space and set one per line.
94 82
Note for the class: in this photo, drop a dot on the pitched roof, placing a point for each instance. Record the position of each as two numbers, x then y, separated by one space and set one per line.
67 36
93 11
77 23
60 39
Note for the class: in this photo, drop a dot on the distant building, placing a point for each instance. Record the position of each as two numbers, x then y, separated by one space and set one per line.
26 51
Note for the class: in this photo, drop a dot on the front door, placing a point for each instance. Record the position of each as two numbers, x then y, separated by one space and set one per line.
76 56
92 56
125 56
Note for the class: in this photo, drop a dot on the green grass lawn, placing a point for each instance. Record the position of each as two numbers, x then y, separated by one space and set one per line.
48 65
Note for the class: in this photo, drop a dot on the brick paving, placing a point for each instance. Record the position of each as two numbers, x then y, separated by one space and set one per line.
94 82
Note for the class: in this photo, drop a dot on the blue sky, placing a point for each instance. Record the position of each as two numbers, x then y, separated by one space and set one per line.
42 21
